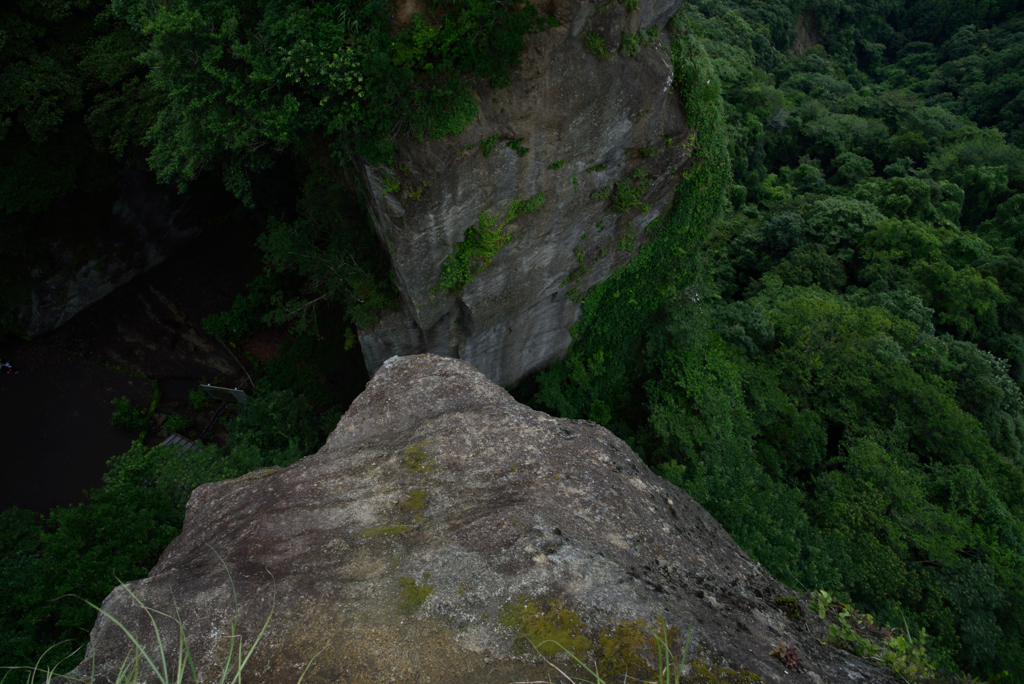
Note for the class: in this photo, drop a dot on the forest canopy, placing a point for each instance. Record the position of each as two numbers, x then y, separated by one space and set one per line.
834 368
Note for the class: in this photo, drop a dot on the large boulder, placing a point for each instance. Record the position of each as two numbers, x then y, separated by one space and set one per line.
578 123
440 522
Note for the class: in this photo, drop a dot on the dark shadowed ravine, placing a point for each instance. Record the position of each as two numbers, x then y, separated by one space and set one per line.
55 413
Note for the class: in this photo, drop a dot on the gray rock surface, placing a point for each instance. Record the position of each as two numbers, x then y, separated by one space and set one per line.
437 481
565 105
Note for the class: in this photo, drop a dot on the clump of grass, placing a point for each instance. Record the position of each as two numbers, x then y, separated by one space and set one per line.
669 670
141 666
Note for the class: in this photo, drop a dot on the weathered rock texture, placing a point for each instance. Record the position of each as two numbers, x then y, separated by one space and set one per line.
148 224
565 105
437 477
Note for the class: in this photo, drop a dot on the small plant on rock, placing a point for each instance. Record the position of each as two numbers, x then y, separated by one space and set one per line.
517 145
596 46
786 652
488 143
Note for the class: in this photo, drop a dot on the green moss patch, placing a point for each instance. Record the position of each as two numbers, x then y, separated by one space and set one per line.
621 651
413 595
415 501
384 531
416 460
791 605
549 626
713 674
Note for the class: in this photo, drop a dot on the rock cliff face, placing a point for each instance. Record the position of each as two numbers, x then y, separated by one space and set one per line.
571 124
441 520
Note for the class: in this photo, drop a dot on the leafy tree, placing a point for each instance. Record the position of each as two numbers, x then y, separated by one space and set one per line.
247 81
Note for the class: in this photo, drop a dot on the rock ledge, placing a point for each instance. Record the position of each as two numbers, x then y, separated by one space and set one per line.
439 501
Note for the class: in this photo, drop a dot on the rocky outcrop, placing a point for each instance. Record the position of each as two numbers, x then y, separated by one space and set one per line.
600 136
439 522
147 224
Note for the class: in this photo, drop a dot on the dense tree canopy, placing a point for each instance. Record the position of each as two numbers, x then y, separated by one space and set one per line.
837 374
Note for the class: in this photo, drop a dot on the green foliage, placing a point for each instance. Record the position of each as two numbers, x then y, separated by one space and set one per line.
602 194
521 207
336 259
334 70
482 243
122 530
836 374
74 108
337 262
178 423
517 145
390 183
596 46
548 625
632 42
628 195
199 400
246 312
488 143
127 417
554 166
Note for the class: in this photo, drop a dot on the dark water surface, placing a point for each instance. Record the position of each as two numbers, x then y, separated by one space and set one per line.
55 432
55 425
